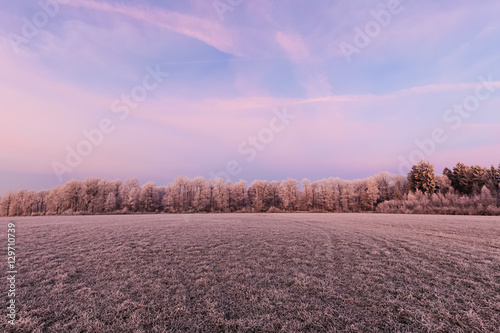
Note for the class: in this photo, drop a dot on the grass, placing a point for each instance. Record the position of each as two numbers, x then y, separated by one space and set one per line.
257 273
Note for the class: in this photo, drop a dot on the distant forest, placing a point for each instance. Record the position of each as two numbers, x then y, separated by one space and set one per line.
465 190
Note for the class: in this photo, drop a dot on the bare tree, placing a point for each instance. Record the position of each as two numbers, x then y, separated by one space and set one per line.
443 184
272 197
372 193
149 198
307 195
400 187
328 195
90 192
168 200
347 196
5 204
221 195
257 192
239 196
290 194
200 198
72 195
383 181
110 205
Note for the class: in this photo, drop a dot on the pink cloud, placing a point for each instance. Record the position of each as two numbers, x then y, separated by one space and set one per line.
443 87
210 32
294 46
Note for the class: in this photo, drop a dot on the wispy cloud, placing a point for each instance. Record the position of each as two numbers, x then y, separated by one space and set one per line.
294 46
208 31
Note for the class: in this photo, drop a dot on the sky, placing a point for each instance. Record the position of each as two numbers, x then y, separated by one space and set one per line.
261 89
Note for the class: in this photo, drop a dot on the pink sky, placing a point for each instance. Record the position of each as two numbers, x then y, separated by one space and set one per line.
225 78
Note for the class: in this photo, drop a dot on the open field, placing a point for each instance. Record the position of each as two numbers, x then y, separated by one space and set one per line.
256 273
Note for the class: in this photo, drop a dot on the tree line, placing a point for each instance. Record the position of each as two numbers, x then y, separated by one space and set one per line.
463 190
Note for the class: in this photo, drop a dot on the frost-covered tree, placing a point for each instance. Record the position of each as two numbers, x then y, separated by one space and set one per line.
110 204
347 196
168 200
487 198
336 184
384 182
495 178
290 194
479 178
40 204
90 193
180 194
17 204
54 201
465 190
200 197
443 184
460 178
257 192
400 187
72 195
115 188
6 203
272 195
323 195
29 203
471 179
307 195
372 193
422 178
149 199
104 188
239 195
221 195
133 199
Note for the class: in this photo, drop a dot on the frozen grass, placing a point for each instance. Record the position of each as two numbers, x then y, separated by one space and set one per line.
257 273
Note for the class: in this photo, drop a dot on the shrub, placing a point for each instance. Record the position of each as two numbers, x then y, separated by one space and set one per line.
274 210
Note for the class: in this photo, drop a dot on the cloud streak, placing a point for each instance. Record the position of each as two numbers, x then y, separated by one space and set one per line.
208 31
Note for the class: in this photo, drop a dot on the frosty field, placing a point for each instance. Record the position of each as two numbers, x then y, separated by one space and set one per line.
255 273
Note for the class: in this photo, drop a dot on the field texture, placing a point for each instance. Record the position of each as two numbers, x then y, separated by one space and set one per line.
256 273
